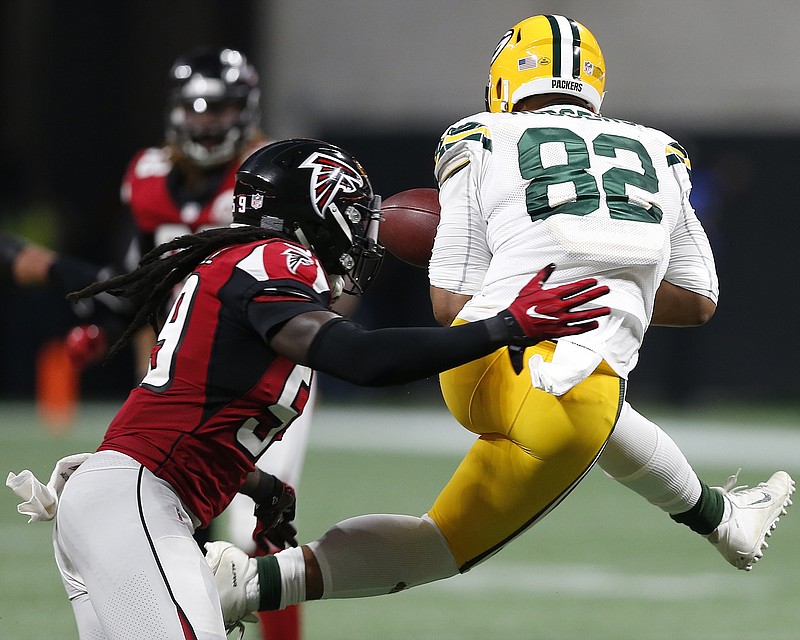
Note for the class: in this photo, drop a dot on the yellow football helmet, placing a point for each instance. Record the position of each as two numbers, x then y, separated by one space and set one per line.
545 54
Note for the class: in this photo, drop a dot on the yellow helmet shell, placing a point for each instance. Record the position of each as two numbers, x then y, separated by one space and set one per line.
545 54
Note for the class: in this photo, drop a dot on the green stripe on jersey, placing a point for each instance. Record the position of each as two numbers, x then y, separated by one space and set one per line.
467 131
676 154
453 172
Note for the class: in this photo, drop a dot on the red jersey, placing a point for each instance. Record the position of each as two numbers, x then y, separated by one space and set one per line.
216 395
151 189
157 210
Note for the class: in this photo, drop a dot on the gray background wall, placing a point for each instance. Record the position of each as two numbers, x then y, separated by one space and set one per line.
719 65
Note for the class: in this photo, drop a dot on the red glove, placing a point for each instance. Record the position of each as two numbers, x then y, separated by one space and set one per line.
542 314
275 515
86 344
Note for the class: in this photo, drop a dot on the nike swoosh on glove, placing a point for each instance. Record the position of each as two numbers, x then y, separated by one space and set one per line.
544 314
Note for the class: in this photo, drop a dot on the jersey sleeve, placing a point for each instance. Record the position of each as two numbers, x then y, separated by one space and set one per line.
288 280
461 253
691 264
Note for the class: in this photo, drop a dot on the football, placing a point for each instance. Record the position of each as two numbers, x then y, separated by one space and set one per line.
408 225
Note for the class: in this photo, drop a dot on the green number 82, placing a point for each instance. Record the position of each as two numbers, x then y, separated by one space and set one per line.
575 171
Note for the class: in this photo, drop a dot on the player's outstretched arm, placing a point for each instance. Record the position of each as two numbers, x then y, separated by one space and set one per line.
24 263
337 346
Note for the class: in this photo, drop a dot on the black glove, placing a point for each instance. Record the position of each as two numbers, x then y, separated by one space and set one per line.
275 510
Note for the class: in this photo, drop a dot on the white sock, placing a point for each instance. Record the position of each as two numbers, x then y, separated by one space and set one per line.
645 459
379 554
293 576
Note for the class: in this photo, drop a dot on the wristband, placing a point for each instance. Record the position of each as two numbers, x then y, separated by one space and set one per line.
265 491
504 330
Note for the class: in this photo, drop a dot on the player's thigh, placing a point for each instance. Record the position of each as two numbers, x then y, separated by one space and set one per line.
128 539
533 451
497 492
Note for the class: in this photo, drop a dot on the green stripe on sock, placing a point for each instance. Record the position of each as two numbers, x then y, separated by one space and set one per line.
269 583
706 515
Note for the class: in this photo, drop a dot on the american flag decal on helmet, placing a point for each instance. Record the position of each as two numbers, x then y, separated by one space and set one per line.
330 177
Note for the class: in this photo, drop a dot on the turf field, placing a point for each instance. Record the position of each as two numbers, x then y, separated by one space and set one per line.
603 566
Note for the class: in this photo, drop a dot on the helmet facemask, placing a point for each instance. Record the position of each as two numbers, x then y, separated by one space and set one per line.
213 107
347 242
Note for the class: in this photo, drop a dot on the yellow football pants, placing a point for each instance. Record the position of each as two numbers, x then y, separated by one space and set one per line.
533 449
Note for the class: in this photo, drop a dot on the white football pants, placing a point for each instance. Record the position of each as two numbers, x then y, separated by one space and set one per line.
123 544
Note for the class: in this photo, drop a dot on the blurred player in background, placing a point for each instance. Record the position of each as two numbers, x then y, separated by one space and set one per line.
540 178
186 186
25 264
231 372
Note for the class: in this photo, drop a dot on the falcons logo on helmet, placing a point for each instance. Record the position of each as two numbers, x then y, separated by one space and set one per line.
330 177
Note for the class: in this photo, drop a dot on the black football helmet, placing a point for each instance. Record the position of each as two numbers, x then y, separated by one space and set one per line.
213 105
320 195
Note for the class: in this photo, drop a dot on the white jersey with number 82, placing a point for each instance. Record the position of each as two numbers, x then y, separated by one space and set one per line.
595 196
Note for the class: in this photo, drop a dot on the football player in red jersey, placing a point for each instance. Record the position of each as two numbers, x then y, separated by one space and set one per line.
231 371
183 186
186 185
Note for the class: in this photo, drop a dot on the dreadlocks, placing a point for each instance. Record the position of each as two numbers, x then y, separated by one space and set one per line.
153 280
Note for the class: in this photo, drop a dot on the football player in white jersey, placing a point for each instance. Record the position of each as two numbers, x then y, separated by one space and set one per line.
543 173
541 177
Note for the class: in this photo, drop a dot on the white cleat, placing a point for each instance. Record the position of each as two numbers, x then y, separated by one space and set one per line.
754 513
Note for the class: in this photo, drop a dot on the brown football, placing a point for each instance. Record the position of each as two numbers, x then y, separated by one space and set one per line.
408 225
